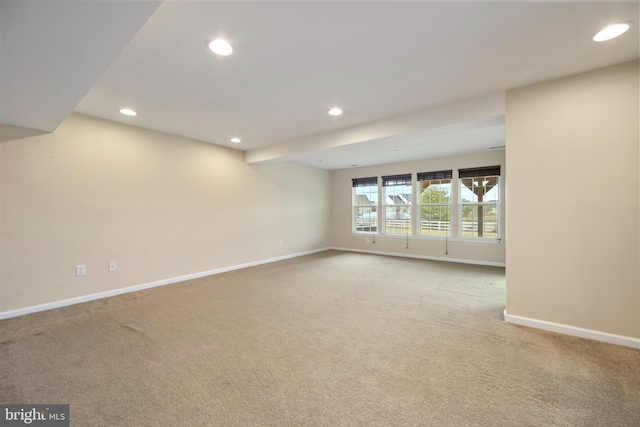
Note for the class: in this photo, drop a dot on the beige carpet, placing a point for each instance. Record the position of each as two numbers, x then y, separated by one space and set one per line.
332 339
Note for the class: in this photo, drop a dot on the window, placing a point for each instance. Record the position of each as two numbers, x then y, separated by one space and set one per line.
397 204
480 198
365 205
435 203
476 212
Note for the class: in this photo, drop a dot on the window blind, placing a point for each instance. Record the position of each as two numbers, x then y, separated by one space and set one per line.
430 176
365 182
474 172
404 179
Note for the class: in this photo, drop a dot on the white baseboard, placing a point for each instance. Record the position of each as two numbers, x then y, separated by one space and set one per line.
107 294
572 330
432 258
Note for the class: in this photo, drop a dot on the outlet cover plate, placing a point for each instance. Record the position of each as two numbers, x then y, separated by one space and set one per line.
81 270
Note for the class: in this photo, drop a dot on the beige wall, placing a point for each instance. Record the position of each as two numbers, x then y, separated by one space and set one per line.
162 206
572 201
489 252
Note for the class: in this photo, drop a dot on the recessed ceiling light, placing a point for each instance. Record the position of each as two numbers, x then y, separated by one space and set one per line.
611 32
128 112
221 47
236 140
335 111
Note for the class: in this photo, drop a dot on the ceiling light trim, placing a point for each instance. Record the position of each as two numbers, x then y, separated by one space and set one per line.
611 32
221 47
128 112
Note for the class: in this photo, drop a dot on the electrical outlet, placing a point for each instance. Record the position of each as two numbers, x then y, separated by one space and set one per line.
81 270
281 242
366 240
113 265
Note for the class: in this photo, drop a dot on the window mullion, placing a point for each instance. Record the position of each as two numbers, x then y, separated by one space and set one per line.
456 200
382 209
415 206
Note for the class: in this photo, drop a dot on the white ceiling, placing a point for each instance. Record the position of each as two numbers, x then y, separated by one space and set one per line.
389 65
53 52
423 144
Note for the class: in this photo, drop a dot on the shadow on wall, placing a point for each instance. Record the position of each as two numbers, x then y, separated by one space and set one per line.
13 133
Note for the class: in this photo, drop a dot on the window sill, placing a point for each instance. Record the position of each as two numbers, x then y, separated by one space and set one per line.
495 241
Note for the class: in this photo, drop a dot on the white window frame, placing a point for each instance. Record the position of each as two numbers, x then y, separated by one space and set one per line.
478 226
373 207
404 210
435 178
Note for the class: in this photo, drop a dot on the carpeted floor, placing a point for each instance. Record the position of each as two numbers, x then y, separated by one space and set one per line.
331 339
